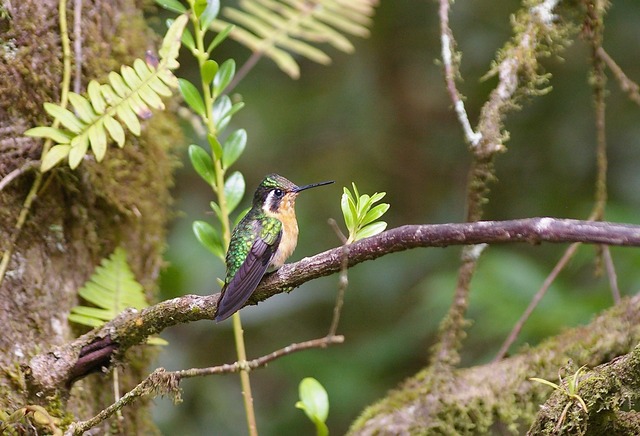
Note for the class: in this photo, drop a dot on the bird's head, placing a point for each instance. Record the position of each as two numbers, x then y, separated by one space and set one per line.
276 194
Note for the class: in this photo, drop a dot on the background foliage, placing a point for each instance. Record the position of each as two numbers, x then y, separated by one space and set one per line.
381 118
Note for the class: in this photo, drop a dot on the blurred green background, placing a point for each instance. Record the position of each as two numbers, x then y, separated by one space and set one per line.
381 118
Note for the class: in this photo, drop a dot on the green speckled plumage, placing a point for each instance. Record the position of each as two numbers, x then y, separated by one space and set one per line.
265 237
244 236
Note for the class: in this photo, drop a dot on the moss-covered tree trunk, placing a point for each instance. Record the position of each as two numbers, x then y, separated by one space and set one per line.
80 216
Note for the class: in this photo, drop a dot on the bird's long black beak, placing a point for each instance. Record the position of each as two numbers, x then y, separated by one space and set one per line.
313 185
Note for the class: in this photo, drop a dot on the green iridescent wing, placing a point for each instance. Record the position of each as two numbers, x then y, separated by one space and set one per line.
248 274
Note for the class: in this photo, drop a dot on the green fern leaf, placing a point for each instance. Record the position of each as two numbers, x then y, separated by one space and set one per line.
127 97
275 28
112 288
56 154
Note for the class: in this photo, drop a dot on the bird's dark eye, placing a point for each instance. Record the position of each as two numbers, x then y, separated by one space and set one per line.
278 192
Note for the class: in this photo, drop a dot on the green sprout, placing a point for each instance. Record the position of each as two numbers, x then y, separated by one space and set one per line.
314 401
360 215
570 389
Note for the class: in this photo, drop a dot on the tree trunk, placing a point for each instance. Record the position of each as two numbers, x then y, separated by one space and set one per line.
80 216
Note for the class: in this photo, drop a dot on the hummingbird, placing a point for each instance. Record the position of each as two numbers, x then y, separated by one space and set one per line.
262 240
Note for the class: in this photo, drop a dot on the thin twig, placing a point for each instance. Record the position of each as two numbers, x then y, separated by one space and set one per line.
37 182
154 383
450 63
244 70
238 335
626 84
599 83
517 328
597 213
77 45
611 273
27 166
518 57
343 280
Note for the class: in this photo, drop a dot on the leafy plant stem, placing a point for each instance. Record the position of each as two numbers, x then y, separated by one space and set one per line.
37 182
238 332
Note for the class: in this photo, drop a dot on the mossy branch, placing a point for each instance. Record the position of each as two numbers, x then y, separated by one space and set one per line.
56 369
606 391
535 33
501 393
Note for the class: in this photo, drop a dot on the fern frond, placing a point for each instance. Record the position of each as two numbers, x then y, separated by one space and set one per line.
279 28
112 288
127 97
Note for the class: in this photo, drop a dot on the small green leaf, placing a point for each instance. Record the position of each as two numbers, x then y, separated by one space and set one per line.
362 205
233 147
209 238
209 70
198 6
192 96
143 70
54 156
159 87
314 401
66 117
546 382
351 204
377 196
97 100
219 38
115 130
98 139
234 190
349 218
58 135
129 118
85 320
371 230
150 97
216 209
171 43
83 108
118 84
201 162
110 95
172 5
221 108
130 76
235 108
79 147
187 40
355 191
209 13
216 148
93 312
224 76
374 213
